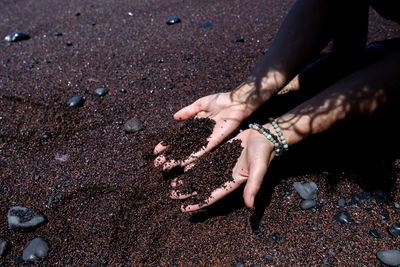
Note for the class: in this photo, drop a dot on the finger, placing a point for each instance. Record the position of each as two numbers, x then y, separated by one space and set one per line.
188 111
160 160
178 195
176 182
159 148
216 195
188 167
214 139
257 171
170 165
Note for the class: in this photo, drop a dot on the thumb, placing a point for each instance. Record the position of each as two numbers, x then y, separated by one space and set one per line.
257 170
188 111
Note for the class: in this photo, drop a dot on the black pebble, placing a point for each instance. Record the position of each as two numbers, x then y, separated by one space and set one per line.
133 125
78 14
68 43
6 60
240 39
173 19
375 233
379 196
394 230
22 217
18 260
36 249
269 259
276 236
240 263
341 202
207 25
100 91
46 135
76 101
16 37
389 257
3 246
344 217
57 34
308 204
385 215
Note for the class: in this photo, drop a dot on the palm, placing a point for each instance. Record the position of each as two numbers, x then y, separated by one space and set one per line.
251 167
226 113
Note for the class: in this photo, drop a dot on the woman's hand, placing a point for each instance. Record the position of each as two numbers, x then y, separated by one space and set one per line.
251 166
226 109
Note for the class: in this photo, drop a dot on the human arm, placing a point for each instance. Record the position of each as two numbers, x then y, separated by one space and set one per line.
359 93
299 39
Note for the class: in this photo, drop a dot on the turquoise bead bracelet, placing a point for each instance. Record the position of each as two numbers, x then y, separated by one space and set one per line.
280 135
270 136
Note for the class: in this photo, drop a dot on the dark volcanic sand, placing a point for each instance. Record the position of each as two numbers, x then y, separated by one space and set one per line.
210 172
104 203
190 137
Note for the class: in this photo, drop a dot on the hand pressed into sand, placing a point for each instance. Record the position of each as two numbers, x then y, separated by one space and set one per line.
251 167
227 113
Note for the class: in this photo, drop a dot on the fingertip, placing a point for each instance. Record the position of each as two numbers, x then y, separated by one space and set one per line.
190 208
249 201
159 148
174 195
169 165
181 114
159 161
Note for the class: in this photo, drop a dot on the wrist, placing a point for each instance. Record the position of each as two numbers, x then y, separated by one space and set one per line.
255 92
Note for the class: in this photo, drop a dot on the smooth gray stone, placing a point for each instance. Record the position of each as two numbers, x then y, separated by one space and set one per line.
341 202
100 91
308 204
344 217
36 249
3 245
21 217
133 125
389 257
76 101
308 190
16 37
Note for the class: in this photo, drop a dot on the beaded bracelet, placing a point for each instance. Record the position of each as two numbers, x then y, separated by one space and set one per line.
280 134
270 136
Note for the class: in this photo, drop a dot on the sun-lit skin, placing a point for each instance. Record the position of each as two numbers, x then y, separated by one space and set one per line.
299 39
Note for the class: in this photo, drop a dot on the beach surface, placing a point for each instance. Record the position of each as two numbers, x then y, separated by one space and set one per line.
95 184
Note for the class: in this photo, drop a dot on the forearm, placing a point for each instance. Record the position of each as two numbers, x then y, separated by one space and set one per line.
301 37
360 93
